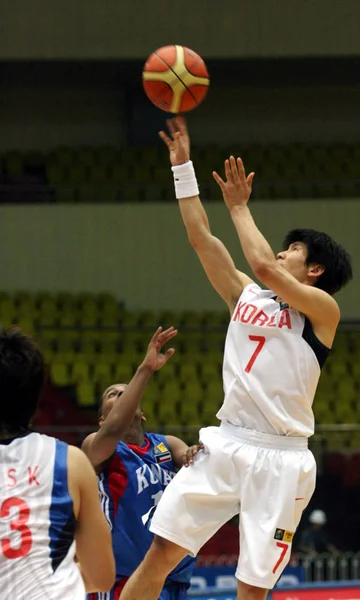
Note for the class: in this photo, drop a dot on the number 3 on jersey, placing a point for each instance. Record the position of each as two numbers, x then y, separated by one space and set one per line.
23 542
260 339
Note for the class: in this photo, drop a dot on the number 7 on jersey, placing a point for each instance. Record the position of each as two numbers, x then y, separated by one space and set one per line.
260 339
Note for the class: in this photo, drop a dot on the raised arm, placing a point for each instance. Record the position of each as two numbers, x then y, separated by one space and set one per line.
214 257
101 445
320 308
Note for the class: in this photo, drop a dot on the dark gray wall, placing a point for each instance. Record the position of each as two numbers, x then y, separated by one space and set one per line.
59 29
141 254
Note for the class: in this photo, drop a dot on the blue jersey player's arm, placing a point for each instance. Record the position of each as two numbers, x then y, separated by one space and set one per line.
101 445
181 454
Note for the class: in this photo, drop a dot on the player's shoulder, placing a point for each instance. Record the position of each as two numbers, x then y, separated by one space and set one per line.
77 457
155 438
253 290
79 465
86 445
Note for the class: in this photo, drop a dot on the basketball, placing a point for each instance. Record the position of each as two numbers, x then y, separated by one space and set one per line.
175 79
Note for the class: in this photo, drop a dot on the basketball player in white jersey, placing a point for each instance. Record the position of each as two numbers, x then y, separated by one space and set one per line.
257 462
49 503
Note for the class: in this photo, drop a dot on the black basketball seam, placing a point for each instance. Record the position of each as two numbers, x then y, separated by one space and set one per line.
181 81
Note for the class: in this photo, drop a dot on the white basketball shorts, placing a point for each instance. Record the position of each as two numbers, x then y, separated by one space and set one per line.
267 479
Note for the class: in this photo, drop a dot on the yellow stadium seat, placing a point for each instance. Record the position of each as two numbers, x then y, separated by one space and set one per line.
188 372
339 368
107 347
166 374
189 412
102 372
208 414
149 404
80 371
60 374
123 371
166 408
86 394
192 392
68 318
214 395
170 394
26 325
322 415
210 372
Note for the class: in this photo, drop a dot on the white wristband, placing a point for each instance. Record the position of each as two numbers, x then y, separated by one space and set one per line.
185 182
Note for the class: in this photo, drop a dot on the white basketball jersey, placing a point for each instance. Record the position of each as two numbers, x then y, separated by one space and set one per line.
270 371
37 523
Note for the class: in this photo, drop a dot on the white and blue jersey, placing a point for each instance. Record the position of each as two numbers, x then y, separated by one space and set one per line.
37 523
130 488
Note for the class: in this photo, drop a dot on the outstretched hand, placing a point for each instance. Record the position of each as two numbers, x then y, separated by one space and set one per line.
154 358
178 142
236 189
189 456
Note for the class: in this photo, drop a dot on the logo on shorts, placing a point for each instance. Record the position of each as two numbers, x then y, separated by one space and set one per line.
284 535
162 453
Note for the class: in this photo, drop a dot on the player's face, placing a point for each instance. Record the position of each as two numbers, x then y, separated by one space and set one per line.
110 395
293 260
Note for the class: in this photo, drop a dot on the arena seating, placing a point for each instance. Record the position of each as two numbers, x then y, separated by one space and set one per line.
90 341
109 174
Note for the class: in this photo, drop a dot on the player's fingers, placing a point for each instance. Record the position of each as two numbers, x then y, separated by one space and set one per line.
249 179
155 337
187 458
198 447
181 124
218 179
171 123
165 138
168 354
164 339
228 170
234 169
167 332
240 168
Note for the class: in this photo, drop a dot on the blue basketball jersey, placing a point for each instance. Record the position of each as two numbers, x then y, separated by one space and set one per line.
130 488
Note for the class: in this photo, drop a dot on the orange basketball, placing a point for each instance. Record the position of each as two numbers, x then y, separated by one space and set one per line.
175 79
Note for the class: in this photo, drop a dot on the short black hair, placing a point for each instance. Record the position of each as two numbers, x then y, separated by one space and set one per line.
22 378
323 250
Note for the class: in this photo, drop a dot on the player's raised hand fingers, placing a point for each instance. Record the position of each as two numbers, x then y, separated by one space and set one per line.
167 335
165 138
155 337
240 168
172 126
218 179
168 354
181 125
228 172
234 169
249 179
